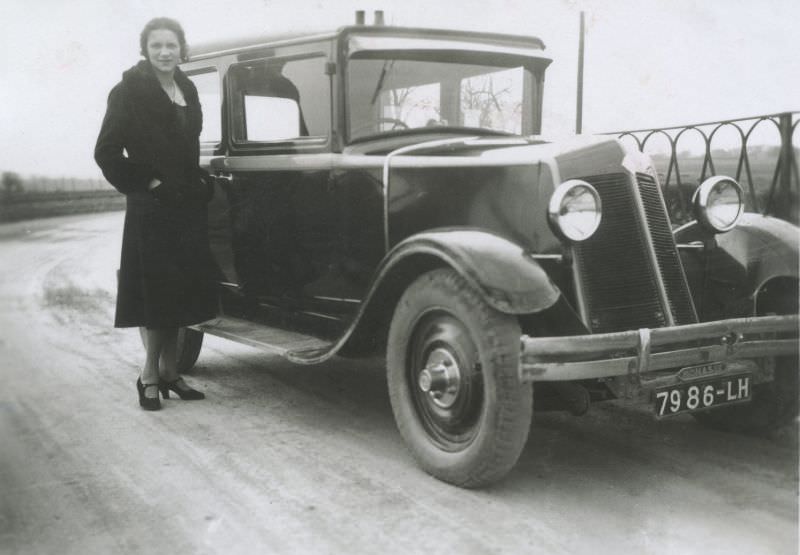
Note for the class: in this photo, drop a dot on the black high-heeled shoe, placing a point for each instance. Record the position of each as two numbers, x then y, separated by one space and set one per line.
186 393
147 403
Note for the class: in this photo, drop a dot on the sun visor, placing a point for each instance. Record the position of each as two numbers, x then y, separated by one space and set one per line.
362 43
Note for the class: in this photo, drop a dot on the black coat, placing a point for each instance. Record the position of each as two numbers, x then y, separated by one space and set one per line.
166 276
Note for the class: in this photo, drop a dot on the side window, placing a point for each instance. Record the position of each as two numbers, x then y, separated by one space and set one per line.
269 118
280 100
207 83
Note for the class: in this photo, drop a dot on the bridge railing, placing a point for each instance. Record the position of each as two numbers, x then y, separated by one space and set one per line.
757 151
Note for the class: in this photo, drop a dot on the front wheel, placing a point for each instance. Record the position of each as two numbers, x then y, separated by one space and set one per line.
452 363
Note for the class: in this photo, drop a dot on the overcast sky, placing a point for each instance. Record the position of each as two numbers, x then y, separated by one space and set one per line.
648 62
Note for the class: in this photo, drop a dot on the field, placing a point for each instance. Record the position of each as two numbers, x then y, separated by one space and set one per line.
41 197
756 192
24 205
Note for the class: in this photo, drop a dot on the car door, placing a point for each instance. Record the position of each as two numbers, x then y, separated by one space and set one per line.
275 178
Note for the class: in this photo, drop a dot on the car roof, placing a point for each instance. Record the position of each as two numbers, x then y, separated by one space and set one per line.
259 41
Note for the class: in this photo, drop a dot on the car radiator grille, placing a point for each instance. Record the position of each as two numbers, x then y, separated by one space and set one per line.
669 262
617 276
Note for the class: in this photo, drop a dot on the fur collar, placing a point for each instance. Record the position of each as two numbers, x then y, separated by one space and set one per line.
143 84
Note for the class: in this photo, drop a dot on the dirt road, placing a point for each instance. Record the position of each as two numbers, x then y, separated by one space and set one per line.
284 459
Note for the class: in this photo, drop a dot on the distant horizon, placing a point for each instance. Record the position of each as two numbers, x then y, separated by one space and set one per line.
754 151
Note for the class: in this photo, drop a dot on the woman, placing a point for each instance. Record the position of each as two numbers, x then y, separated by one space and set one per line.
148 149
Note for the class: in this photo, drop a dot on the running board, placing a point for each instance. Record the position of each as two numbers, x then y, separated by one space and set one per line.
294 346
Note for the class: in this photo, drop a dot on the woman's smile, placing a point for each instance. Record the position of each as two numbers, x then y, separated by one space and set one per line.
163 50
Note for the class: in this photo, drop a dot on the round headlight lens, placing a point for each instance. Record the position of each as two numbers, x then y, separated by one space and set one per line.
574 210
718 203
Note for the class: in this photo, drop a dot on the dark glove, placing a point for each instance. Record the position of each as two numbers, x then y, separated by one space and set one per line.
167 194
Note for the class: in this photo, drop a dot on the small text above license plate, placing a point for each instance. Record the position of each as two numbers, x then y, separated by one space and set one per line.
702 394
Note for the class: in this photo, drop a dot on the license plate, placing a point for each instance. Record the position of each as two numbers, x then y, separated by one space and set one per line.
703 394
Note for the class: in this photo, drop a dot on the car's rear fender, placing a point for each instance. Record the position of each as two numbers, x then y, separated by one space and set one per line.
510 280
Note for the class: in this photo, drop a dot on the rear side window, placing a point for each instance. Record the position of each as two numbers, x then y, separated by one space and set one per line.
207 83
280 100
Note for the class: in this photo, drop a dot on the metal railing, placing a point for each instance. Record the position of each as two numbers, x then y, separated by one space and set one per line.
768 173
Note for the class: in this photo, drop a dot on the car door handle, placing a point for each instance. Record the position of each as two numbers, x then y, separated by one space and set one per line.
224 178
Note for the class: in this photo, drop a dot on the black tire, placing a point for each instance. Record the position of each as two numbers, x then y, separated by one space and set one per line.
774 405
777 403
473 435
190 343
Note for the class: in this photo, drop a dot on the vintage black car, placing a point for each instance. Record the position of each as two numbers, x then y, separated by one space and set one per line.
384 191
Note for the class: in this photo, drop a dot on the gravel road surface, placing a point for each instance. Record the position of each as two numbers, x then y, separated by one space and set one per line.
288 459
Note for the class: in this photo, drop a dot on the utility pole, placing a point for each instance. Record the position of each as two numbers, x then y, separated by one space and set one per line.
579 109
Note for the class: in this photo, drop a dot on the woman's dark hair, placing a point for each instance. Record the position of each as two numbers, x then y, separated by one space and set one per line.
163 23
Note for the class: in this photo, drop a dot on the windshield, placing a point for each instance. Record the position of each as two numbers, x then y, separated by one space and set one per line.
398 91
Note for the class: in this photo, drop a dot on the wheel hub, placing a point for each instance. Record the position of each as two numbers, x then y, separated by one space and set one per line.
441 378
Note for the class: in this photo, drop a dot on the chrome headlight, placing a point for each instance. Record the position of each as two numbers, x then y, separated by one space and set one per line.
718 203
574 210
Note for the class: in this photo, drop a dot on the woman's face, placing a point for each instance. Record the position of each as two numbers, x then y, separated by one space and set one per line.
163 50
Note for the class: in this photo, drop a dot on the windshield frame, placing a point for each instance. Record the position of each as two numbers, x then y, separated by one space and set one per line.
468 52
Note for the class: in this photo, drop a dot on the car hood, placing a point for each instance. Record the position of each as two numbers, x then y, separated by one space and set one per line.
574 157
499 184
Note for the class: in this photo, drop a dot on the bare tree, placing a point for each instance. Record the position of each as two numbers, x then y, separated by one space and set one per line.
12 182
484 98
399 98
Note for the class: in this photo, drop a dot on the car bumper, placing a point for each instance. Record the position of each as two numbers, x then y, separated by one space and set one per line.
638 352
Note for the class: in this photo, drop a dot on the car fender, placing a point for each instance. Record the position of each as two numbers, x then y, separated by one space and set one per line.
758 250
508 278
